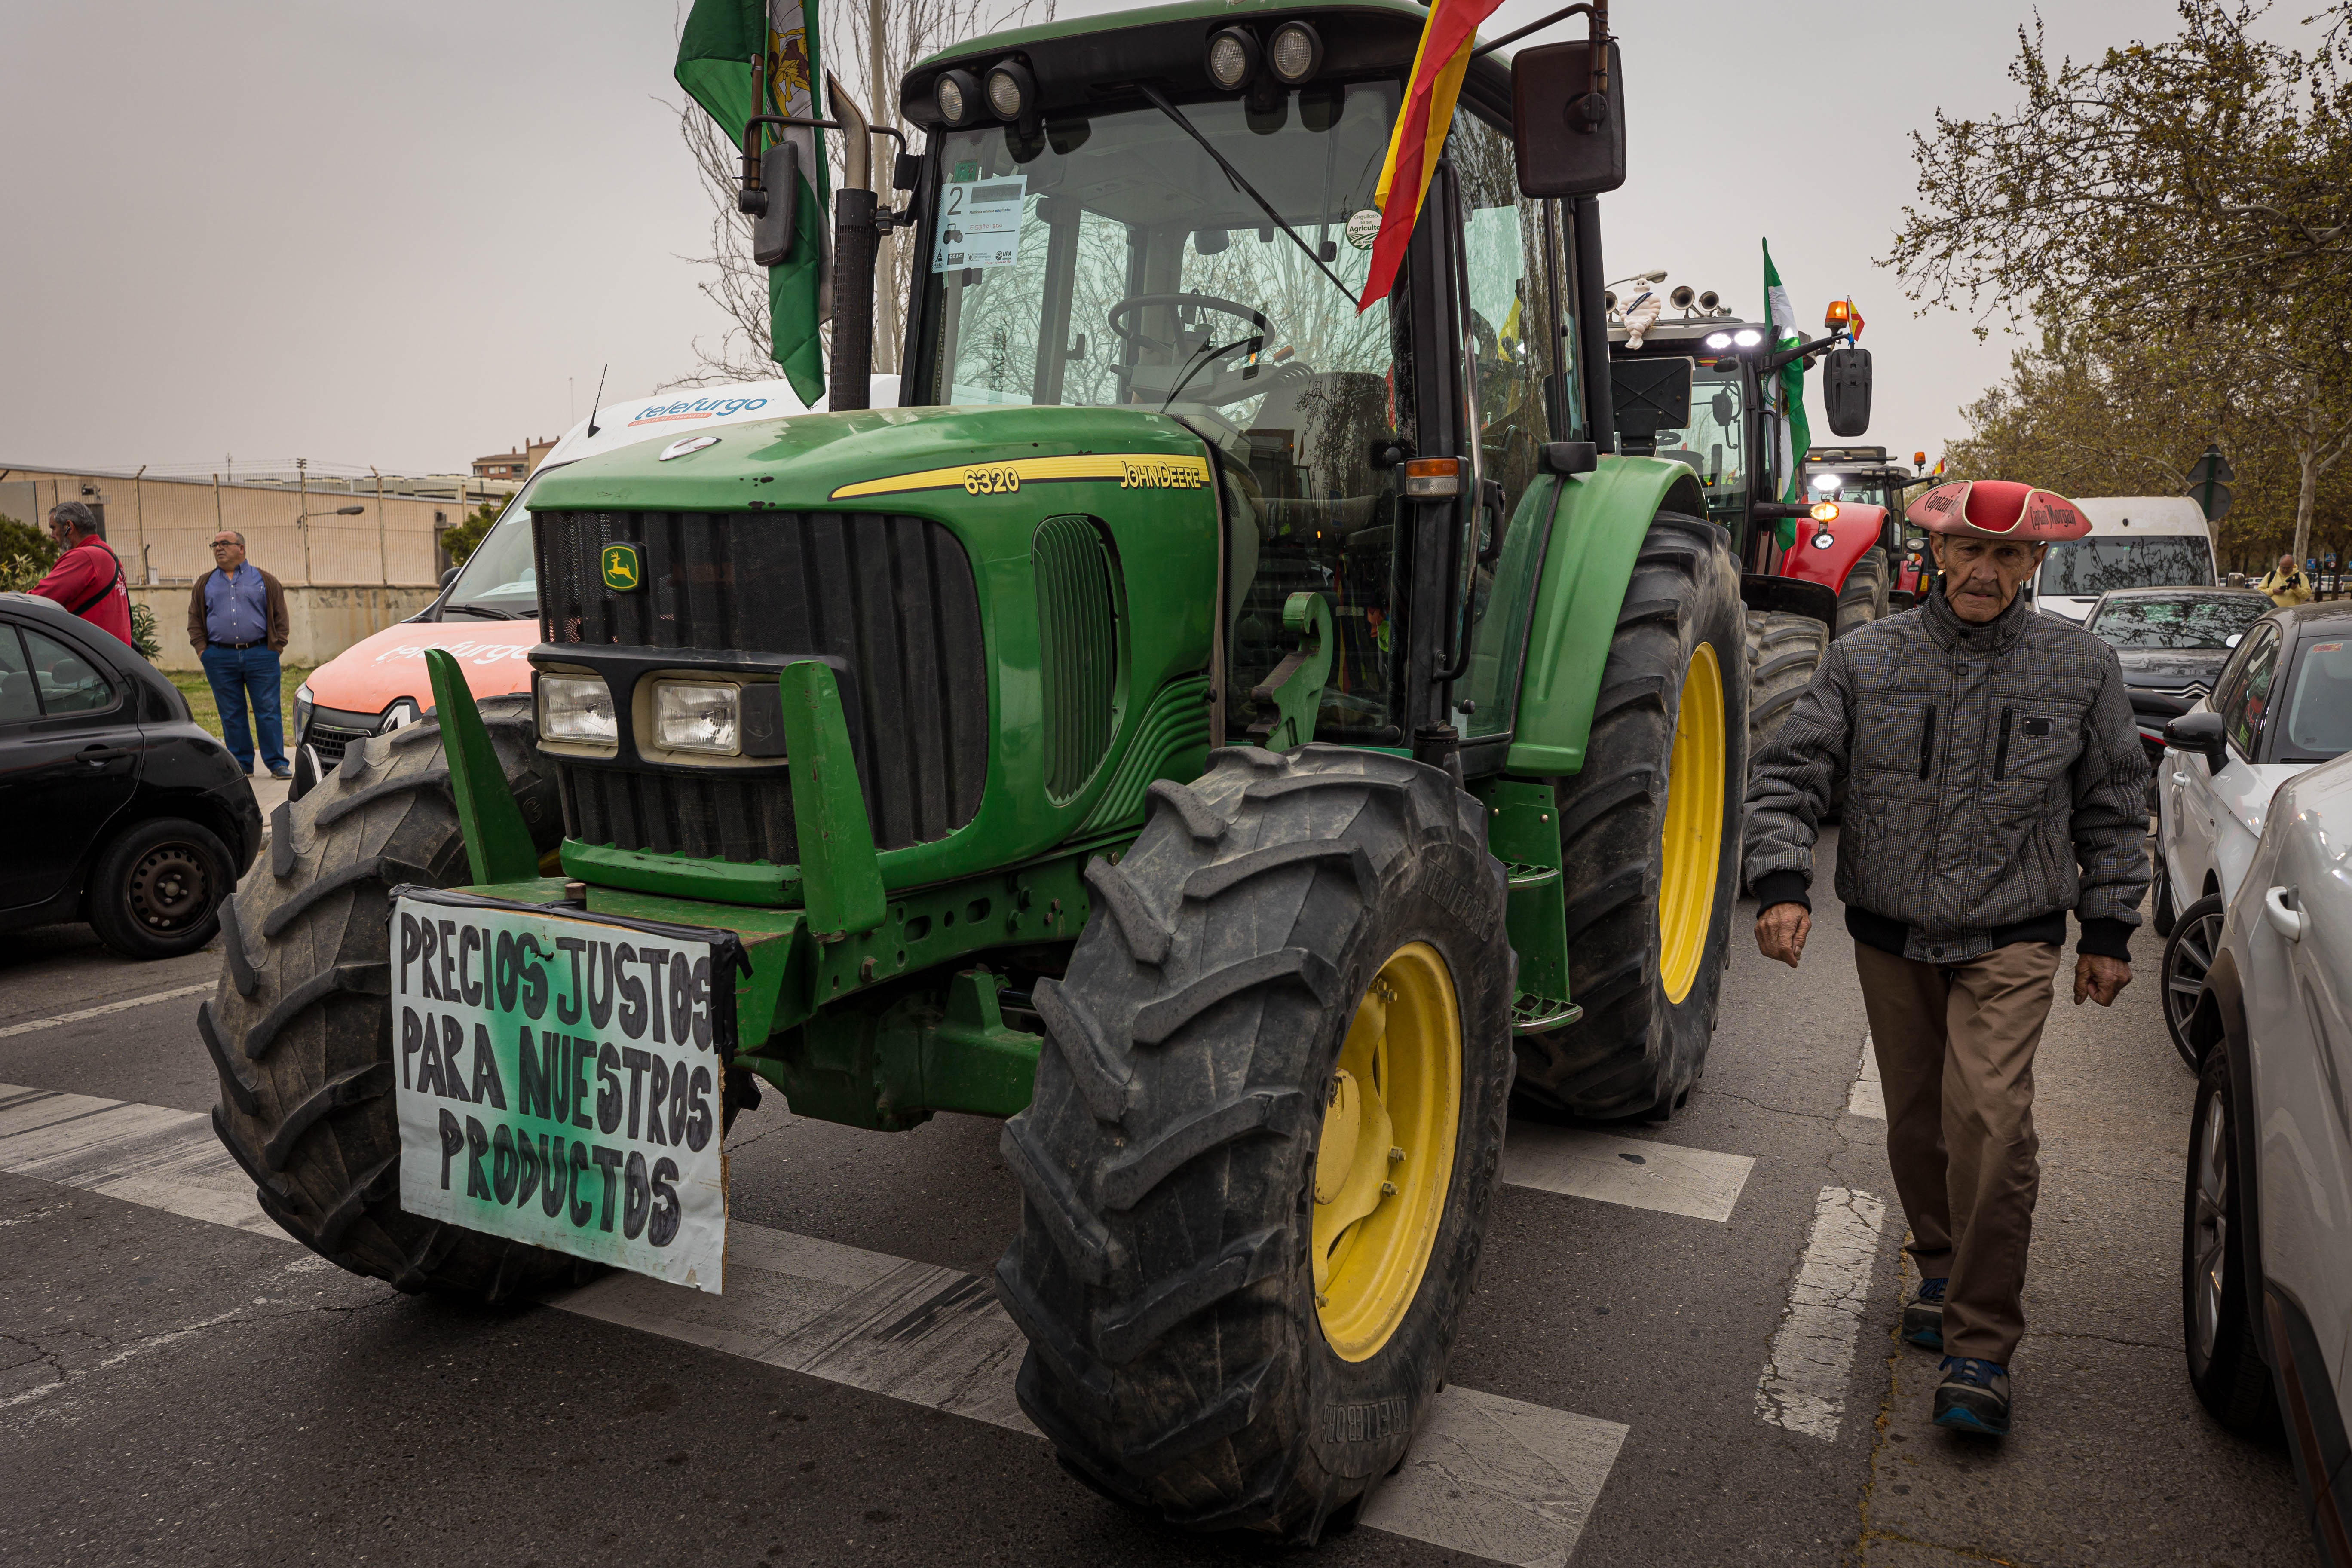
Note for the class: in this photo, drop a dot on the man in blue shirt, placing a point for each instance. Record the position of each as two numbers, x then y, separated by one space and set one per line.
238 625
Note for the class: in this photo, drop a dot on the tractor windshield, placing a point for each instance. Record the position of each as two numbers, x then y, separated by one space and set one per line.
1113 261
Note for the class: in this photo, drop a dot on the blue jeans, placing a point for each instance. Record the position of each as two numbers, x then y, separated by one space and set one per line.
236 673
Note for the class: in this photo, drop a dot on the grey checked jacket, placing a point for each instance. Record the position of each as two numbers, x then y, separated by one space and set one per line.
1994 780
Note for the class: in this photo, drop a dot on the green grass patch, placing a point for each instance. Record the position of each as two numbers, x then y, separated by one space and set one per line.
199 694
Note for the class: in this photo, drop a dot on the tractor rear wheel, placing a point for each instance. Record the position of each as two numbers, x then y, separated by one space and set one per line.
1650 837
1257 1169
301 1028
1783 650
1863 599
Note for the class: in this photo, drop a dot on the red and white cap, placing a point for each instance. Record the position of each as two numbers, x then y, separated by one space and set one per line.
1998 509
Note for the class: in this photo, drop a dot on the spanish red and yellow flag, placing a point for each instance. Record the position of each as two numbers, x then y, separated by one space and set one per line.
1419 138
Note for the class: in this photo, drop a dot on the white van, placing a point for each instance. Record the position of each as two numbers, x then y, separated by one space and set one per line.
2136 541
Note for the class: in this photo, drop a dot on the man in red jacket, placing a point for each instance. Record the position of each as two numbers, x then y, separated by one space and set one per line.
87 579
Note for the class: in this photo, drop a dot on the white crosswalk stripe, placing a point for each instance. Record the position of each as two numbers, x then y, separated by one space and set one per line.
1803 1385
1868 1095
30 1024
1639 1174
1491 1477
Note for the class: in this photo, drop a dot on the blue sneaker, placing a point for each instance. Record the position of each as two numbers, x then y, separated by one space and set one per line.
1973 1397
1923 1316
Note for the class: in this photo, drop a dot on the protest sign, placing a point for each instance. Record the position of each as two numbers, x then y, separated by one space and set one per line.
560 1078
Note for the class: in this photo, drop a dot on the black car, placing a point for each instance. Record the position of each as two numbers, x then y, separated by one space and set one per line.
121 810
2172 643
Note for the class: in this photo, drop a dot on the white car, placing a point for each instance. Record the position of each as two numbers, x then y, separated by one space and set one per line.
2283 704
2266 1222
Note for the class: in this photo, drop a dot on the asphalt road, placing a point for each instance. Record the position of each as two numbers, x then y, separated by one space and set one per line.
1681 1350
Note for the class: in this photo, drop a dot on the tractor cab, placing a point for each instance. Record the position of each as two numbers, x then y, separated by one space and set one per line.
1870 476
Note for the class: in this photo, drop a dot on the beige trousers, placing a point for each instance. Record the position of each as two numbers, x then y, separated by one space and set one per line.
1955 1045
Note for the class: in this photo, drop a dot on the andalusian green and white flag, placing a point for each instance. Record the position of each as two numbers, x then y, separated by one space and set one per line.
1796 435
716 65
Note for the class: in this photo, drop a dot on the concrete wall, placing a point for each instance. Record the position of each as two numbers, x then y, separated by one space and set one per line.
326 620
162 529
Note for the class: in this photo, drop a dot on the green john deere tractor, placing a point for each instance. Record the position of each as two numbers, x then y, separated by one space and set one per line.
1225 734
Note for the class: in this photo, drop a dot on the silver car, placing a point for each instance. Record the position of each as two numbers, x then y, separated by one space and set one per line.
2282 705
2266 1223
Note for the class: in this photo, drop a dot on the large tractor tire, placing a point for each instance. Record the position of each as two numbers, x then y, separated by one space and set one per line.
300 1029
1257 1171
1650 838
1861 599
1783 650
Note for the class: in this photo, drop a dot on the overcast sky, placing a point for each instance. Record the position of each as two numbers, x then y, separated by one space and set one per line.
410 234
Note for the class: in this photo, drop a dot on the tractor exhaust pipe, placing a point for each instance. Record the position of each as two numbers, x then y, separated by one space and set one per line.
854 245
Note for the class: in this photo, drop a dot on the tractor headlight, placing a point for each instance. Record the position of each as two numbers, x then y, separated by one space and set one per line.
577 707
1829 482
1718 342
957 96
1296 53
303 704
699 716
1010 90
1747 337
1233 58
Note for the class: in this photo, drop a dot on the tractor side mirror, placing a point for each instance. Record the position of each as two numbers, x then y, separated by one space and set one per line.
1570 139
2199 734
1650 396
1845 390
772 213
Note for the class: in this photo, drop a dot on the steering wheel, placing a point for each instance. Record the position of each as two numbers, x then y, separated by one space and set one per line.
1117 317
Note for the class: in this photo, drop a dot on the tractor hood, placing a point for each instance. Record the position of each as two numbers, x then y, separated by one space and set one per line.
885 458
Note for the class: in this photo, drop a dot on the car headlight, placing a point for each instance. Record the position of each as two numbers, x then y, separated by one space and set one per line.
303 704
577 707
399 716
695 716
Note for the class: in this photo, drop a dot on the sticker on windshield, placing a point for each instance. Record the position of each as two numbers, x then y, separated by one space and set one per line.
1363 227
980 221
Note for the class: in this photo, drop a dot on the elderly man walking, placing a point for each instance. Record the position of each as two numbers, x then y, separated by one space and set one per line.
1994 781
2287 585
87 578
238 626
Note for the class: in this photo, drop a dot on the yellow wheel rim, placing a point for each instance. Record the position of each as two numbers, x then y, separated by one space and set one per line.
1691 846
1384 1164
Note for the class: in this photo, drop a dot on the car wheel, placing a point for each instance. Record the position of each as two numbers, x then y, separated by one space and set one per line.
156 890
2217 1291
2167 917
2196 938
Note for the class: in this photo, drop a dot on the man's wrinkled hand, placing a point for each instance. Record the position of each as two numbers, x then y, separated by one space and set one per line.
1781 932
2100 978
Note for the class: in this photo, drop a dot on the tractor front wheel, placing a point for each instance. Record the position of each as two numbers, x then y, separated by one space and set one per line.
1861 599
1257 1169
1650 838
301 1028
1783 650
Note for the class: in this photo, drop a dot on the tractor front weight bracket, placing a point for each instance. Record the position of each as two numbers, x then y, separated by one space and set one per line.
1292 693
497 845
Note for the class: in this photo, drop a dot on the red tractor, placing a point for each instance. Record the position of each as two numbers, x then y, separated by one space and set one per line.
1869 475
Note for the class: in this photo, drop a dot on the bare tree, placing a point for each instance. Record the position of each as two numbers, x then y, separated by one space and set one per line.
869 45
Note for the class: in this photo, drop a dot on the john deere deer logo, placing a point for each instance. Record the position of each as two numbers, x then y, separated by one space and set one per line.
624 569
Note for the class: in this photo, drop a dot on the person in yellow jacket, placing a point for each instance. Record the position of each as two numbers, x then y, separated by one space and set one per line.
2287 585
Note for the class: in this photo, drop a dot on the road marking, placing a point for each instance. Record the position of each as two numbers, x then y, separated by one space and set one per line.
1498 1479
1642 1176
30 1024
1491 1476
1868 1095
1803 1385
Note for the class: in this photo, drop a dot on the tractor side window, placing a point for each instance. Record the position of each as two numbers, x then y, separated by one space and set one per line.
1510 348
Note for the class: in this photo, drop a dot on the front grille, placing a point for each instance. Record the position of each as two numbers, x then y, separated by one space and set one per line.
329 740
892 597
1078 637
